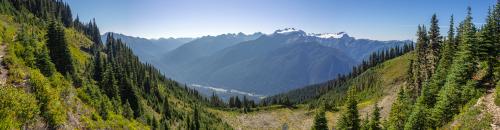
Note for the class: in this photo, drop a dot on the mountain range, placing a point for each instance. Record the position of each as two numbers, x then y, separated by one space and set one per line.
262 64
148 49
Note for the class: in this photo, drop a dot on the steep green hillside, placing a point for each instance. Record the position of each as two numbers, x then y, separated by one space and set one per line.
57 74
371 86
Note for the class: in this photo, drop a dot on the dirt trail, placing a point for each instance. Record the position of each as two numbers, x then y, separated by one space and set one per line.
3 69
491 107
385 104
293 119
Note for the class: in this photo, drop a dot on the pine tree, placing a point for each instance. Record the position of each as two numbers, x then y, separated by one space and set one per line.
349 119
400 110
237 102
450 98
374 123
496 79
231 102
127 111
486 51
420 65
438 79
418 119
245 104
433 50
99 68
109 83
196 119
59 49
166 111
320 122
43 62
103 110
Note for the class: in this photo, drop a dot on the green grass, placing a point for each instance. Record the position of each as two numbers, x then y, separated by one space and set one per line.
374 83
471 118
16 108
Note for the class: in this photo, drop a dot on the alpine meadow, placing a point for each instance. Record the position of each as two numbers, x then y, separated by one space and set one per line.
249 64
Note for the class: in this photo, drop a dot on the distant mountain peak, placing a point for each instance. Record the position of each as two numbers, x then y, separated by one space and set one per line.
330 35
288 31
298 32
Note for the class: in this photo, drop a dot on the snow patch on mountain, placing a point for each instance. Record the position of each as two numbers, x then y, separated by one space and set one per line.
329 35
287 31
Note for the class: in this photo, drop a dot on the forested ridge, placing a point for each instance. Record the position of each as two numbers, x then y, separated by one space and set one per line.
341 83
61 76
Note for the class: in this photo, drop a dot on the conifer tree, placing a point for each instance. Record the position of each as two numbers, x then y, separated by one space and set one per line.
109 83
433 50
418 120
420 65
447 55
374 122
196 119
127 111
400 111
486 51
320 122
166 111
44 63
449 99
231 102
59 49
349 119
237 102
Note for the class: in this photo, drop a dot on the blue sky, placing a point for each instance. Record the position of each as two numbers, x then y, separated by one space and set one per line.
374 19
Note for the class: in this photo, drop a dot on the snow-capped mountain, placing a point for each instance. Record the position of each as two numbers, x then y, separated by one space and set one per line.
298 32
330 35
357 49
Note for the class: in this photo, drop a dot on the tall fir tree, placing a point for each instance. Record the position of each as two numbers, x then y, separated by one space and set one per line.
486 51
196 119
374 122
349 120
166 111
44 63
400 110
420 65
320 122
59 49
418 118
434 48
447 55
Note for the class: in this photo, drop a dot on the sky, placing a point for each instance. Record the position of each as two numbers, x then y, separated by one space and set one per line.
372 19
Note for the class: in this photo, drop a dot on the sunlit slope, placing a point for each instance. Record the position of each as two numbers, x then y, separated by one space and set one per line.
378 84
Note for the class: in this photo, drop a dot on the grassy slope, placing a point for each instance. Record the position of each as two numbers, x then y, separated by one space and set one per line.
391 72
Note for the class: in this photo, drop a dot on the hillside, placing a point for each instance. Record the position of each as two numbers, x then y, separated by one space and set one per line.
59 75
392 73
